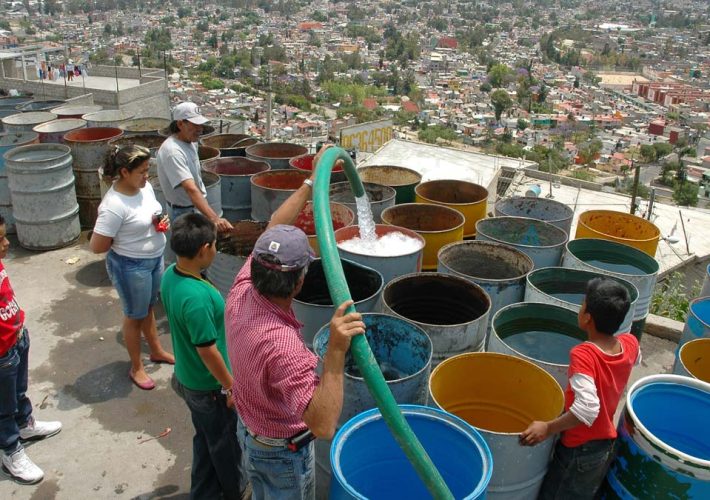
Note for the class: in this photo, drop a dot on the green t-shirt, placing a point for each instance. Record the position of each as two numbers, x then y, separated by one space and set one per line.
195 311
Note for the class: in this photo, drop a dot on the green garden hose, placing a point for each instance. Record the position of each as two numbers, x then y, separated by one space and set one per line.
359 347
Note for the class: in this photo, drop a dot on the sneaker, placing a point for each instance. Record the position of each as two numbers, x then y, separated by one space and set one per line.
21 468
37 430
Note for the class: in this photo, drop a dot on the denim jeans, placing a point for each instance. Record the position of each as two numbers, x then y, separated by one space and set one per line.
137 282
217 470
15 406
576 473
276 473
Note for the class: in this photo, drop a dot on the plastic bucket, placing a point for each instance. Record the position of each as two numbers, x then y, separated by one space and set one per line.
402 179
364 470
619 227
466 197
693 360
551 211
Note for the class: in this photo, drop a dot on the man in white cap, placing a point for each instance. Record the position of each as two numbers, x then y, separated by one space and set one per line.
179 167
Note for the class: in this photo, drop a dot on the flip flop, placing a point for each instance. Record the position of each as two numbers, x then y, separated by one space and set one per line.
161 361
146 386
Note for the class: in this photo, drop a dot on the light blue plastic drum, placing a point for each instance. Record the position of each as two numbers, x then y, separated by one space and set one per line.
368 463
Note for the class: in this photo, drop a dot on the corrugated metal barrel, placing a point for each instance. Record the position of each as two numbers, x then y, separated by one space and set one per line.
552 211
25 122
75 110
270 189
693 359
620 227
89 147
235 177
107 118
663 443
230 144
143 126
540 333
698 322
625 262
542 242
276 154
566 288
341 216
10 102
403 352
466 197
233 249
402 179
54 131
313 306
213 186
43 197
368 462
304 163
381 197
9 141
438 225
391 266
706 283
500 395
497 268
33 105
453 311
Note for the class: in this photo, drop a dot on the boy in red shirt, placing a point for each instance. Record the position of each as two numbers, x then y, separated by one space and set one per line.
599 370
16 422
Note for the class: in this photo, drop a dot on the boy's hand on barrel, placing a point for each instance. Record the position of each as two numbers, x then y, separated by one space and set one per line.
536 433
344 326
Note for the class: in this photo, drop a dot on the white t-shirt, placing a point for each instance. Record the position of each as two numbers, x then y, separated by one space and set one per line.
129 221
177 162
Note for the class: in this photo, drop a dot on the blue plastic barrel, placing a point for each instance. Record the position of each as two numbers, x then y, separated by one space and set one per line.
663 447
368 463
698 324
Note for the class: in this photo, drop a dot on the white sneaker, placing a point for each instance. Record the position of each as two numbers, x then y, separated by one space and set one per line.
37 430
21 468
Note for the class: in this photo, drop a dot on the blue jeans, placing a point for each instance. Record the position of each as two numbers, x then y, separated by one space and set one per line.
276 473
576 473
137 282
15 406
217 470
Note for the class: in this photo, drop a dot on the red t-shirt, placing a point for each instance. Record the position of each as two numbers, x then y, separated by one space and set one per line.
11 316
611 374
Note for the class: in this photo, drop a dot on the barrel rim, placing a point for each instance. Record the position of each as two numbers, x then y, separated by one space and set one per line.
390 192
549 201
519 305
206 164
284 172
8 156
123 115
664 379
571 270
427 364
403 230
77 123
29 118
369 416
616 246
30 133
418 187
555 230
698 300
509 358
261 144
396 167
621 215
461 280
503 246
66 109
68 137
427 206
681 352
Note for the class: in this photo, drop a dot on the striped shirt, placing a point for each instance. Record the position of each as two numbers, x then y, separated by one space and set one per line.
274 372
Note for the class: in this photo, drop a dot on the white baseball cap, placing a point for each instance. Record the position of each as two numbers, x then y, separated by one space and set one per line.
189 111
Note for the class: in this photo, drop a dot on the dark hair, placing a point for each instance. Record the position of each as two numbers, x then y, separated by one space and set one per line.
273 283
2 220
129 157
607 301
190 232
173 127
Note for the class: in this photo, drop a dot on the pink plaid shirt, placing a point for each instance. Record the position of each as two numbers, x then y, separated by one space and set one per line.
274 372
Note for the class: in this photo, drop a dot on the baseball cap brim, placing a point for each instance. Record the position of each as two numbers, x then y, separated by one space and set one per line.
198 120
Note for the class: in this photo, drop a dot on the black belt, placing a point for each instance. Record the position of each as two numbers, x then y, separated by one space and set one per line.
172 205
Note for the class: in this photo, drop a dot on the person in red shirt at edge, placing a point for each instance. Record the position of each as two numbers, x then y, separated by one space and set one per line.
599 370
17 425
281 402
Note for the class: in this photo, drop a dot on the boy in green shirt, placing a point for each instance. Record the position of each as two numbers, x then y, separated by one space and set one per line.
195 311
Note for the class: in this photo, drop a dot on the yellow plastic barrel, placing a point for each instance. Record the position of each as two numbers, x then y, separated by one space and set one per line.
437 224
693 359
500 395
466 197
619 227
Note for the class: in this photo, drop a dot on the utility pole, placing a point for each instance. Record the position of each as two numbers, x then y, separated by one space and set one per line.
651 200
637 172
268 104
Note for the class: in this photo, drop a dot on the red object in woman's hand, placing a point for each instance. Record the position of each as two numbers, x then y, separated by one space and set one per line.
161 222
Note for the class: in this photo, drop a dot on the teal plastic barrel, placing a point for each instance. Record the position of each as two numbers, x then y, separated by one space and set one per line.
369 464
698 324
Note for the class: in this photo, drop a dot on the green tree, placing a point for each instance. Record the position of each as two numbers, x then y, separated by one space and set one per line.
662 149
522 124
319 16
648 153
498 75
686 193
183 11
501 101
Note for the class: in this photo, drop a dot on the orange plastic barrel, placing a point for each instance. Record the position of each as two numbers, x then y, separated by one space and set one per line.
619 227
466 197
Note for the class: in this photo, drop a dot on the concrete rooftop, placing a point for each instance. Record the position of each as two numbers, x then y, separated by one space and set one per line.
96 83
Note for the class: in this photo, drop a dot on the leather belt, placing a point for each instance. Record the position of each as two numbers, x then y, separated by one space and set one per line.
173 205
273 442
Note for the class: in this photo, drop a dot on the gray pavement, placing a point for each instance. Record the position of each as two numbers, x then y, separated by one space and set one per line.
78 374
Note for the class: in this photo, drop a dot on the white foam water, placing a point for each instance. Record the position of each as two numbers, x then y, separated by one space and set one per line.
389 245
365 219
